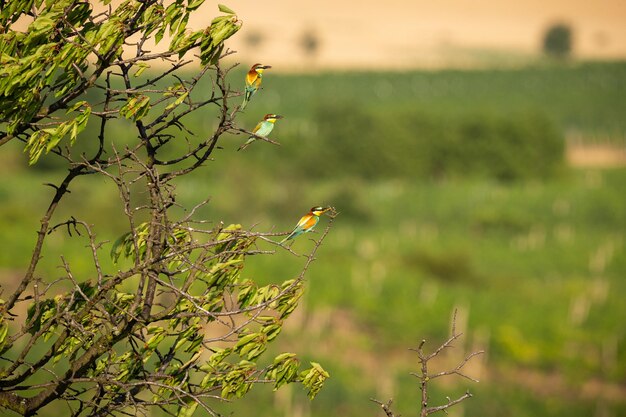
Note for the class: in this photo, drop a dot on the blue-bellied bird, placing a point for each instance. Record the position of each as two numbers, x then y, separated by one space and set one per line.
263 128
307 222
253 82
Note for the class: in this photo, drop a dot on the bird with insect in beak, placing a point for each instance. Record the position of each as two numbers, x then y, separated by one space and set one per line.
263 128
307 222
254 78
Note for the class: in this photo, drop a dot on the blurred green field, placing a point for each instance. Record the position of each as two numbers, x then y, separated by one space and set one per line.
535 264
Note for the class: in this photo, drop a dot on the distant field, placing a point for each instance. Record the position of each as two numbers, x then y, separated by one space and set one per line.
592 155
580 97
536 271
535 267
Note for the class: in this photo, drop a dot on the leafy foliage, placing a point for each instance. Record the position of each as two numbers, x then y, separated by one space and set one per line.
509 148
169 321
66 48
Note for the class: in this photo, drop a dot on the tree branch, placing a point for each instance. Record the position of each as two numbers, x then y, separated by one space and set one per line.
425 377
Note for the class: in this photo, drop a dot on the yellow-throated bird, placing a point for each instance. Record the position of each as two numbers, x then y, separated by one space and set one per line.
253 82
306 223
263 128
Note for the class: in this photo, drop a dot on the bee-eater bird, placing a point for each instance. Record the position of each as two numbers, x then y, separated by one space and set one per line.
263 128
253 82
306 223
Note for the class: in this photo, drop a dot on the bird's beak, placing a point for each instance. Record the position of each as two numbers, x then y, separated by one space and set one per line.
266 66
324 210
278 116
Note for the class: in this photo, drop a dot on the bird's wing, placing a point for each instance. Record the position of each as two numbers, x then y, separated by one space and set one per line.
307 222
302 222
257 128
253 77
302 225
265 129
260 129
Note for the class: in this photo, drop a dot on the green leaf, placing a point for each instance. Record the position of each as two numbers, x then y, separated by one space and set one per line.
225 9
216 358
136 107
43 23
283 357
153 342
40 313
244 340
246 294
125 244
187 410
75 106
118 247
272 331
178 101
142 67
35 146
228 231
194 4
195 344
313 379
159 35
4 331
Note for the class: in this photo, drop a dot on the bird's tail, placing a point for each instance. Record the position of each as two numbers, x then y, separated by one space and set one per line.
245 145
246 99
286 239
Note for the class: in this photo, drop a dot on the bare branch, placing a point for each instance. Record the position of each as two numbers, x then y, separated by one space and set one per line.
386 407
425 377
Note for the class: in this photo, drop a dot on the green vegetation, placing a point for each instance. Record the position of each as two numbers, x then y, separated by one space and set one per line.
530 251
511 147
172 325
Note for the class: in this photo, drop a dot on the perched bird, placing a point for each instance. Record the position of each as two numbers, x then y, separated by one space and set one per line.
253 82
306 223
264 128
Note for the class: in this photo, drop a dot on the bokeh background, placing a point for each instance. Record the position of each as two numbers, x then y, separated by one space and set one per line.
477 153
374 35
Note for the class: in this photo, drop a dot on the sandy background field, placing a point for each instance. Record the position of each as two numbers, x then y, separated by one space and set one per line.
419 33
401 34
